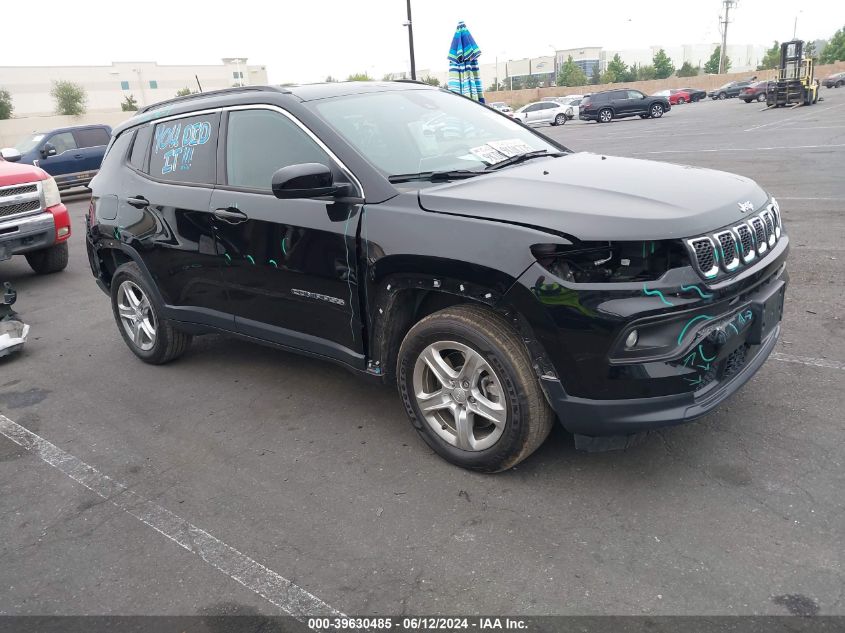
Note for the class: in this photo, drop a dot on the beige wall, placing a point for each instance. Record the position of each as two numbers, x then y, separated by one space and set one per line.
518 98
30 85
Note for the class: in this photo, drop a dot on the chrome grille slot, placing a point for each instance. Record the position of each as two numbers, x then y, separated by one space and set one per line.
759 228
746 242
705 255
768 218
728 249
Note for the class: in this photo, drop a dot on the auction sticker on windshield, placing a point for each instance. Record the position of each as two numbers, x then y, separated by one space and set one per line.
497 151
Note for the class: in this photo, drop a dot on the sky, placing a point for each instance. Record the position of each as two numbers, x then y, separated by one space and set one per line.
306 41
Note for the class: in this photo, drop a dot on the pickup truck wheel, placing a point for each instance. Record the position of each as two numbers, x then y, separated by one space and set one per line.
606 115
470 390
152 339
48 260
656 111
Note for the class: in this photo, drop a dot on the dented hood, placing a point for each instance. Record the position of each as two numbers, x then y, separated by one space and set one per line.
594 197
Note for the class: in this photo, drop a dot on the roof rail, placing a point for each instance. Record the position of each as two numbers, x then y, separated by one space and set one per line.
210 93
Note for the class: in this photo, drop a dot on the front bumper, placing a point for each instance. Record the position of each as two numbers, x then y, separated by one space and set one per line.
29 233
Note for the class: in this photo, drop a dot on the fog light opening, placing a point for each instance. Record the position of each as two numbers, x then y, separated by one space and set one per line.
632 339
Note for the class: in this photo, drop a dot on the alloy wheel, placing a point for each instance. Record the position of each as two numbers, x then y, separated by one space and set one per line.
136 315
656 111
605 116
460 396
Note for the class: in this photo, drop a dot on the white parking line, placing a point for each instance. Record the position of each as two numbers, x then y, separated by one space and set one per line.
740 149
277 590
793 118
804 360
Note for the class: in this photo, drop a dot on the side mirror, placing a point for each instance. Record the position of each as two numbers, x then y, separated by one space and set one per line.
10 154
306 180
48 150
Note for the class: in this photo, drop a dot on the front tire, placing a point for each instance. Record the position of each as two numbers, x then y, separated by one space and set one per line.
722 96
761 97
48 260
470 390
560 119
681 101
138 316
656 111
605 115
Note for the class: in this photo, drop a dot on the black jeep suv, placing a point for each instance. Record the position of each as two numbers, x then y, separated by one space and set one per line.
419 238
618 104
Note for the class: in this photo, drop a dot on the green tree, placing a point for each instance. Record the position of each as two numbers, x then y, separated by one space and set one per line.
531 81
645 73
712 65
834 51
496 87
70 98
663 66
431 81
184 92
571 74
772 58
810 51
359 77
617 70
130 104
330 80
6 106
688 70
596 78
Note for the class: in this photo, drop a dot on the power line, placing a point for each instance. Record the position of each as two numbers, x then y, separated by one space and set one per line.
723 22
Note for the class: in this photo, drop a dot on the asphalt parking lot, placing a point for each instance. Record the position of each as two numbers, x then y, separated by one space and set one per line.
250 456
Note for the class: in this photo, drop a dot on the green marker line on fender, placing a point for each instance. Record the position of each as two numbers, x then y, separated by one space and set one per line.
703 357
703 295
651 293
251 260
273 261
284 248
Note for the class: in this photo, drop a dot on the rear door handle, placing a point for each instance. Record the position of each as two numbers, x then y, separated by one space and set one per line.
138 201
230 215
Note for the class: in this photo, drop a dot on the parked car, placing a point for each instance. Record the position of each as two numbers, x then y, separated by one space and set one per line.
71 155
754 92
550 112
497 278
836 80
618 104
695 94
501 106
33 220
729 90
572 102
675 97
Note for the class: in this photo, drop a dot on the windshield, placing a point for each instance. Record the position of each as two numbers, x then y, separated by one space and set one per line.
412 131
29 143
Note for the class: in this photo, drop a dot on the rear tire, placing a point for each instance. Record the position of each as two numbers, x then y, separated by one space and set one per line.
761 97
839 84
722 96
605 115
560 119
165 343
500 381
48 260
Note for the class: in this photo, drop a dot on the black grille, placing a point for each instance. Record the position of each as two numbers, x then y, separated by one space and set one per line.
759 230
728 244
745 239
735 361
21 207
704 255
16 191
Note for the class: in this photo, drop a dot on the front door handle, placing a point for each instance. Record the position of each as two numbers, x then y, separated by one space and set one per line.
231 215
138 201
79 155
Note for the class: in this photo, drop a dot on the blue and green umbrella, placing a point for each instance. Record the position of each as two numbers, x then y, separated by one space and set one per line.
464 76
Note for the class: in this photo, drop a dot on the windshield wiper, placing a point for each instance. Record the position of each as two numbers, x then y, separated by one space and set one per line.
519 158
434 176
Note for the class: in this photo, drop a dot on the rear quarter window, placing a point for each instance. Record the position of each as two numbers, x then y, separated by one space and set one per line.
185 149
139 147
91 137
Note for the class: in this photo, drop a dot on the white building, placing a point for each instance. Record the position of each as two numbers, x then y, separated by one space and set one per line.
107 86
744 57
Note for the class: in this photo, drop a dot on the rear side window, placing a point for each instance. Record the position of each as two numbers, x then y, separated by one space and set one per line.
92 137
140 146
63 141
259 142
185 150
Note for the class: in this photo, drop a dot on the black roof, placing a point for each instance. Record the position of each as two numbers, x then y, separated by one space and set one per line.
310 92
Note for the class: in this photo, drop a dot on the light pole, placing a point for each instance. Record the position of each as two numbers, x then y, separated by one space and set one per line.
795 25
410 26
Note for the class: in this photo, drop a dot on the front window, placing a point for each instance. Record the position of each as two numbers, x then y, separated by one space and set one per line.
411 131
29 143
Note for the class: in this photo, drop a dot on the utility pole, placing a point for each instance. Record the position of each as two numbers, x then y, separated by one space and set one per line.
410 26
729 4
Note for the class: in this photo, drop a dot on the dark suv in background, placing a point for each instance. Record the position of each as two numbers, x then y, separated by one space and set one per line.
618 104
730 89
498 279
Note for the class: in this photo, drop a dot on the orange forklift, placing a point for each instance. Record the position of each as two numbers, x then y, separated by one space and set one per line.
795 84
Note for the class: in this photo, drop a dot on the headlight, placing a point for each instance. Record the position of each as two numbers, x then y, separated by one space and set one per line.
52 197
